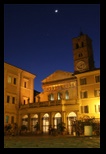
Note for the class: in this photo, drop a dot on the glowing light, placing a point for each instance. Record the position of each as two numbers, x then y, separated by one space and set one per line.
56 11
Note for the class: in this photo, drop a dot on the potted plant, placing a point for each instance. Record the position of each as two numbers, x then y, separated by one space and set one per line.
88 125
7 129
23 129
61 128
37 127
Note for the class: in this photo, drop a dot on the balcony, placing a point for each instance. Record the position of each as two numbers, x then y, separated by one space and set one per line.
48 104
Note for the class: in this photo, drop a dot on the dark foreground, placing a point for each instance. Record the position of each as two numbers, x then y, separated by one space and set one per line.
65 141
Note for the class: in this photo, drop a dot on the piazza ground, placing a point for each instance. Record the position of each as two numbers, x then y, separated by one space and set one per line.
46 141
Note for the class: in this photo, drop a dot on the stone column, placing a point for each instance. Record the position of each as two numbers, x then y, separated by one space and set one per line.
40 121
29 125
50 118
63 116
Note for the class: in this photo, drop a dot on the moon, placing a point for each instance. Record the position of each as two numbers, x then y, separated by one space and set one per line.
56 11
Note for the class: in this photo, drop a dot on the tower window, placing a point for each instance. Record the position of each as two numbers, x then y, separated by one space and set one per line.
82 44
80 55
77 46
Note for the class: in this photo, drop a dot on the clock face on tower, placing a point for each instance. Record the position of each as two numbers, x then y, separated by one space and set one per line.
80 65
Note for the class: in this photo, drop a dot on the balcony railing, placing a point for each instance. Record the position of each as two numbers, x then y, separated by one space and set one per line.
48 103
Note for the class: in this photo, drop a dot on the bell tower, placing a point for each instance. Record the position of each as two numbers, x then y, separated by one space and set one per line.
82 53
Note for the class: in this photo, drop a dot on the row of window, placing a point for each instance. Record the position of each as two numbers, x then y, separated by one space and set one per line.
11 98
84 94
79 45
7 120
59 96
13 80
85 109
83 81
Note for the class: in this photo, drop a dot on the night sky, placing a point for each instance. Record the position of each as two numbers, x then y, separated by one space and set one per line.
38 39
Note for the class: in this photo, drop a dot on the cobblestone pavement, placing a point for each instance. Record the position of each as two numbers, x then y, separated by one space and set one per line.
65 141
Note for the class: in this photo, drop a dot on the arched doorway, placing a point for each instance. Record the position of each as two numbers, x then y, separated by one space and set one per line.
25 120
46 123
34 120
57 119
71 118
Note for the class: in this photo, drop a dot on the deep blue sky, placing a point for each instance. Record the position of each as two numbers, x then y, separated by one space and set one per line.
39 40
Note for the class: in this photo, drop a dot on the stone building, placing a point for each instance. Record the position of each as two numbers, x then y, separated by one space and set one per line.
66 96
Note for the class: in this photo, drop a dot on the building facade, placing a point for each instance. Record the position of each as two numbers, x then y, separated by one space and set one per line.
65 97
18 90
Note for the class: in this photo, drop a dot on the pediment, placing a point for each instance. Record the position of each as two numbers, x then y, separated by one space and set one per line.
58 75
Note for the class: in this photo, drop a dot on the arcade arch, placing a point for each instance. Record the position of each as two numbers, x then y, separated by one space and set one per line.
25 120
34 120
46 123
71 119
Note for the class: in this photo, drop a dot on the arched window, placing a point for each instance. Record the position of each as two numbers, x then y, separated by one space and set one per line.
80 55
77 46
82 44
51 97
59 96
66 95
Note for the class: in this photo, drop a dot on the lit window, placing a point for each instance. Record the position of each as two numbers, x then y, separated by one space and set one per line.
97 93
7 119
97 108
9 79
51 97
67 95
97 78
59 96
8 99
83 81
84 94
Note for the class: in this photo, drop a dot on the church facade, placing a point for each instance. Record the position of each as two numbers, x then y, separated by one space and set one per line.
66 96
